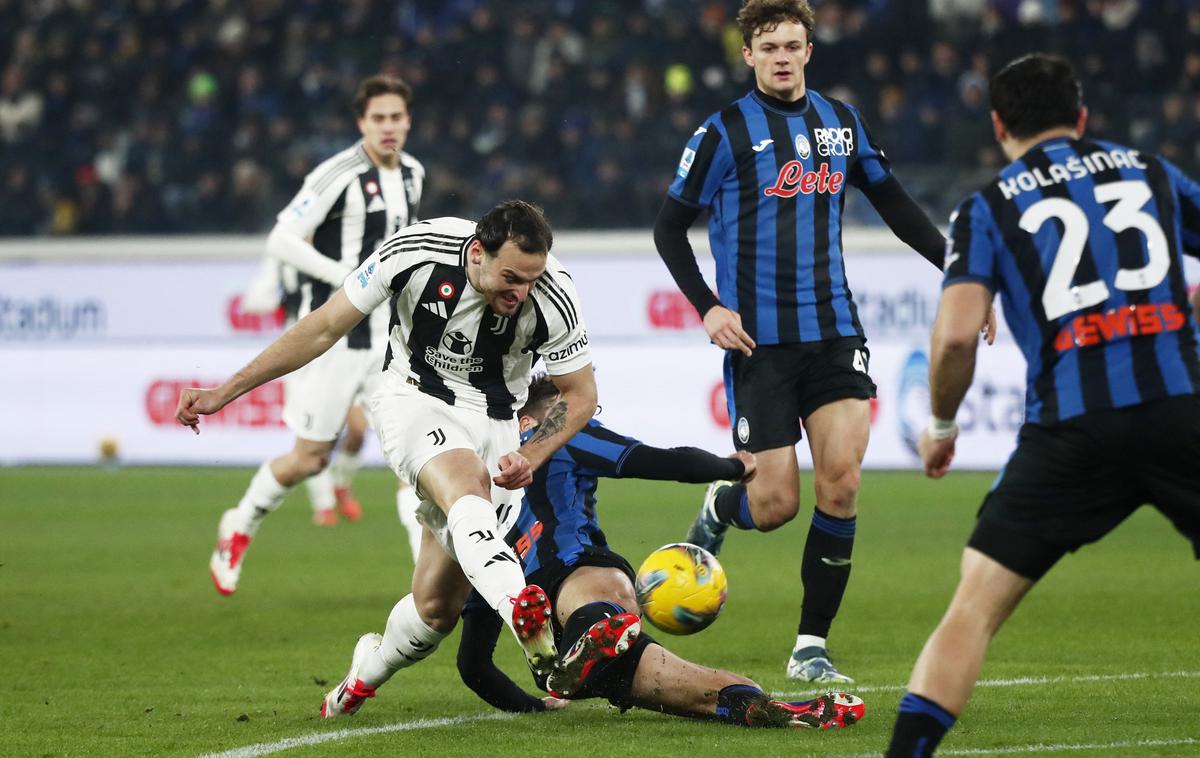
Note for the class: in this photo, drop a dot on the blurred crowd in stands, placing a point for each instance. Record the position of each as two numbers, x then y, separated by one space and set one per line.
190 116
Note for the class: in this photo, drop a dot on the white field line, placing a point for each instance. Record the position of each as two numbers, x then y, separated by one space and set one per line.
1026 680
316 738
1051 748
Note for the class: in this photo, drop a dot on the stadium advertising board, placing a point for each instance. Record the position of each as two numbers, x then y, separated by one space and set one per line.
101 351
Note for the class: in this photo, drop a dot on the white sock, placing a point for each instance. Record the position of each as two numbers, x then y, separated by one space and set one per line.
407 640
487 561
344 467
809 640
407 501
262 496
320 490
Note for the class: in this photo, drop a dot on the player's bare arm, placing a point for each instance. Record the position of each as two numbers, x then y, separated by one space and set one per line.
960 317
311 336
576 404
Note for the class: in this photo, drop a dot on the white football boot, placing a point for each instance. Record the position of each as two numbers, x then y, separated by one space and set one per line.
346 698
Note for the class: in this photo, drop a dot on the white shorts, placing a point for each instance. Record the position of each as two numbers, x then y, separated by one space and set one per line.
318 396
414 428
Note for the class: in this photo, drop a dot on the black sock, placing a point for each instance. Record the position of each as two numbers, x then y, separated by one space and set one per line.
825 570
920 726
734 700
733 507
582 619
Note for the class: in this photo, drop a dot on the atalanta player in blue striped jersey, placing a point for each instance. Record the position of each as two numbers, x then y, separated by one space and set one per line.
772 170
561 545
1083 240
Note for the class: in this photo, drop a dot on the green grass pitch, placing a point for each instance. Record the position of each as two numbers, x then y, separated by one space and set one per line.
113 641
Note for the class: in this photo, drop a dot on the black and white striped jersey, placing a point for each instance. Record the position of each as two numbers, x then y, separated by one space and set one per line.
347 207
446 338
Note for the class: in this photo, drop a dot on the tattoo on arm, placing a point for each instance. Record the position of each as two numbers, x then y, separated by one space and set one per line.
556 421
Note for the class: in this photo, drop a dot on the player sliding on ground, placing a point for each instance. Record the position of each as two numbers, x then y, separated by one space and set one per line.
473 306
563 549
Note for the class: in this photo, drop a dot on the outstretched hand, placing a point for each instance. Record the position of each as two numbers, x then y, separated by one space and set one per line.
724 328
555 703
195 402
515 472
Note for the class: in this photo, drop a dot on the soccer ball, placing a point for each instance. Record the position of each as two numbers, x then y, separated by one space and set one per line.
681 588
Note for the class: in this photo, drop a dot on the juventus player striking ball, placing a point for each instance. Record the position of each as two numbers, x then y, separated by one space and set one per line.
473 306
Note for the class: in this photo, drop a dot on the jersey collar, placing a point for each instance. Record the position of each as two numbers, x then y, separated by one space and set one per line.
797 108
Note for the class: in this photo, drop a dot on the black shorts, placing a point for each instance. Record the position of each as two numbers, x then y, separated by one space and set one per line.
551 575
772 390
1071 483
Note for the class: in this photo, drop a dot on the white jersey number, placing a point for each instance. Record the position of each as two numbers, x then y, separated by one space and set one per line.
1060 297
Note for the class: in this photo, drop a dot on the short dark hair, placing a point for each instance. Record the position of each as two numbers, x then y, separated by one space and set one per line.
380 84
1036 92
767 15
516 220
542 394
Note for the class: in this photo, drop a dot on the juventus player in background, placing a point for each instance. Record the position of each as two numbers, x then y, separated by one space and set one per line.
472 307
772 169
348 205
1084 242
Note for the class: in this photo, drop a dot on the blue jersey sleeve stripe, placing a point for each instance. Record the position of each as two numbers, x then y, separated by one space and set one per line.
1177 352
699 166
986 281
1188 192
871 161
684 200
625 455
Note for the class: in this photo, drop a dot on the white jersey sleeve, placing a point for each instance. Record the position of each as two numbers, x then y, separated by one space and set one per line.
566 347
366 286
370 285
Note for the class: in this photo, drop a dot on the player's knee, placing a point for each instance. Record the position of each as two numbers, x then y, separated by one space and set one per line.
837 490
773 510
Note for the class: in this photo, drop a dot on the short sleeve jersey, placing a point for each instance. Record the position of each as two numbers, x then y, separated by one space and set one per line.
443 335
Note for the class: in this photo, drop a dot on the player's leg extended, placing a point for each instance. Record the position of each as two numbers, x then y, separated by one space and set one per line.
949 665
345 463
837 436
458 482
768 502
597 609
667 683
267 489
415 627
